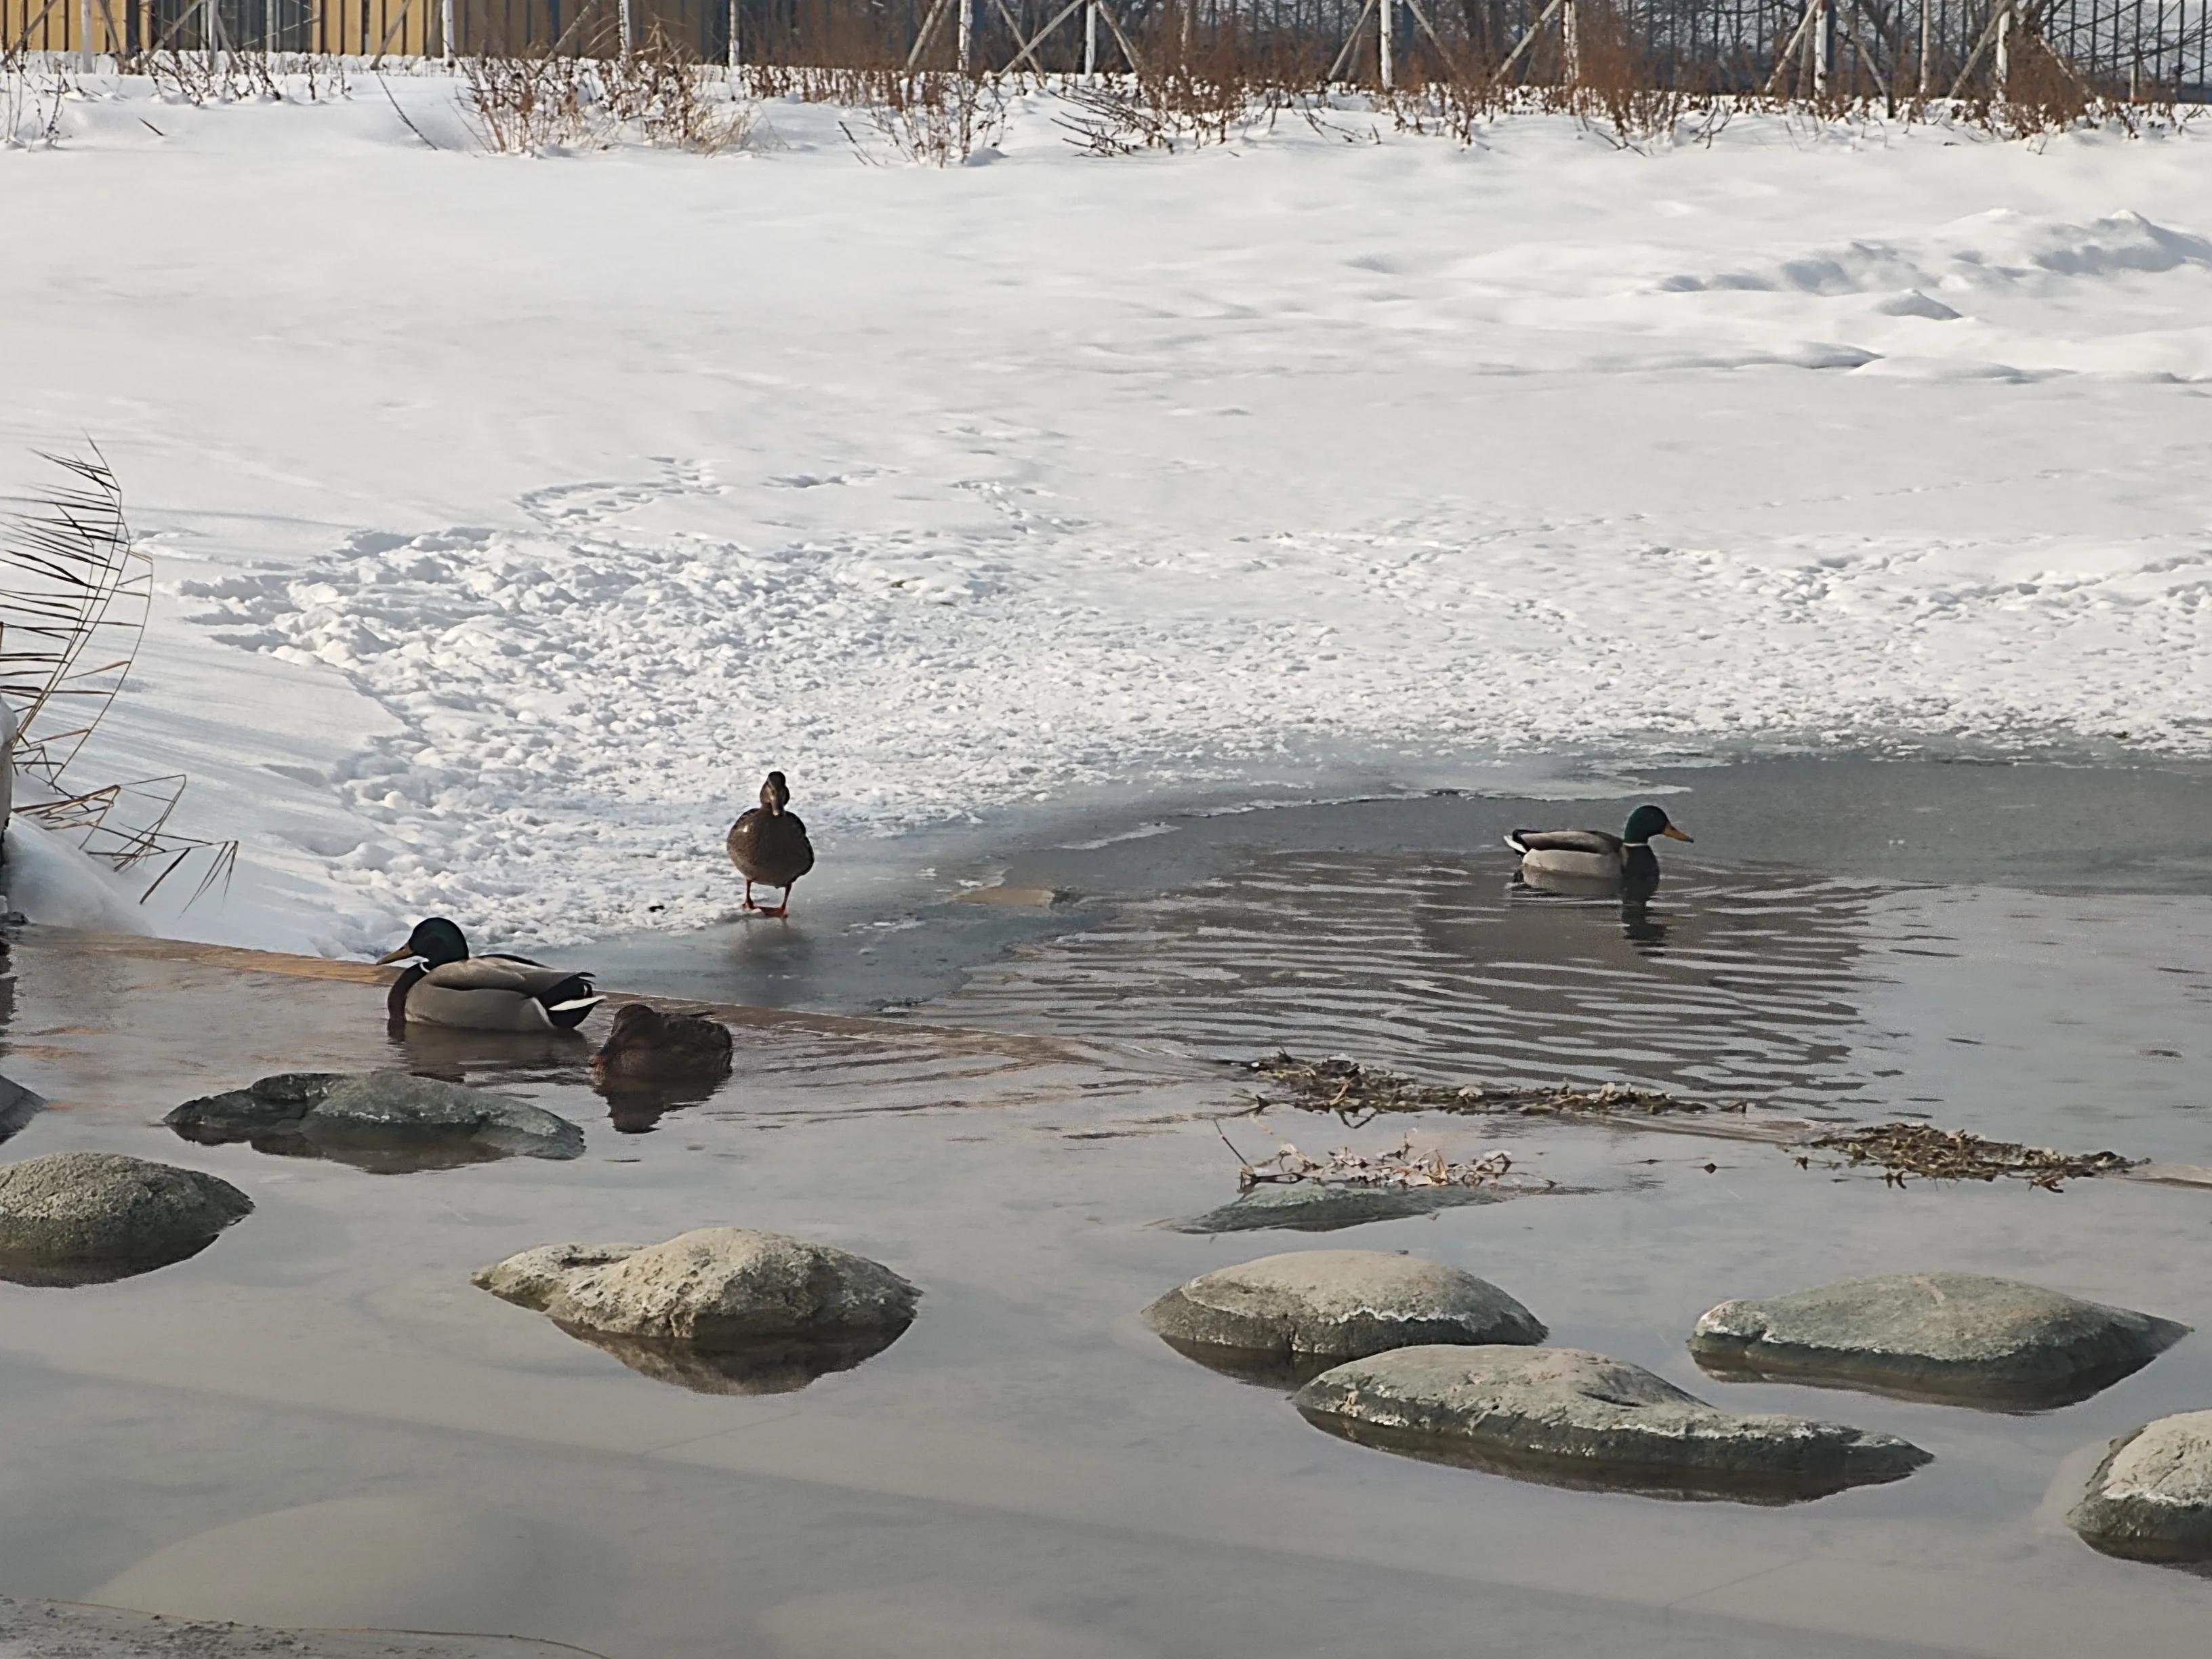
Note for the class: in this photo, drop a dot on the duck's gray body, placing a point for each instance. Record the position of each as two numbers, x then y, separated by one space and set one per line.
493 994
446 986
1592 855
1586 854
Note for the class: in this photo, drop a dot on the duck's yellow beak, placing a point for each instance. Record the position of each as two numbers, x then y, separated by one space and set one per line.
402 954
1671 832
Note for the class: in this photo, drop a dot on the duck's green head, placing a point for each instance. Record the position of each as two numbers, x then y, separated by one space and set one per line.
1646 822
435 941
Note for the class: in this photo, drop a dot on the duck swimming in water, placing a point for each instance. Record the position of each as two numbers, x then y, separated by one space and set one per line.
768 844
446 986
1592 854
648 1046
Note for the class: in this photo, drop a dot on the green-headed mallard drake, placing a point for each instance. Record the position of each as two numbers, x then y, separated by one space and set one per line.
1592 854
768 844
646 1046
446 986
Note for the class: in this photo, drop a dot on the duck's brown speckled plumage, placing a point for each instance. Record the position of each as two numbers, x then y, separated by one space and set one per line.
768 844
646 1045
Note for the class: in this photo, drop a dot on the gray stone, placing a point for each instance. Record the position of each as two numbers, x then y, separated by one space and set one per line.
379 1119
82 1218
723 1310
1569 1418
1944 1336
2151 1498
1310 1309
1313 1206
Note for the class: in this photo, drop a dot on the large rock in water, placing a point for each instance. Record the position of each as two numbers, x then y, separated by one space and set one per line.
1944 1336
721 1309
385 1120
2151 1498
85 1217
1298 1313
1568 1418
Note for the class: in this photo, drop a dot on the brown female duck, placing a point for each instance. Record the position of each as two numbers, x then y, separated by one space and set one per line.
768 845
646 1046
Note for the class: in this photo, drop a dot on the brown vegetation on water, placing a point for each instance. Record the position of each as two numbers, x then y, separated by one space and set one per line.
1900 1151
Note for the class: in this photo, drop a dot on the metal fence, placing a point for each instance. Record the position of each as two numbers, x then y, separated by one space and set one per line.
2135 49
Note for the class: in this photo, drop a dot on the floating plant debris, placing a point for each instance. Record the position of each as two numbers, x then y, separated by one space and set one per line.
1341 1084
1402 1167
1904 1150
1900 1151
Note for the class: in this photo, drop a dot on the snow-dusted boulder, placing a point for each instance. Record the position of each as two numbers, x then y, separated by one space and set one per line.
2151 1498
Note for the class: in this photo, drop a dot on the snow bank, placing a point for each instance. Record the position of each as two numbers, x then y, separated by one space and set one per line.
517 514
50 881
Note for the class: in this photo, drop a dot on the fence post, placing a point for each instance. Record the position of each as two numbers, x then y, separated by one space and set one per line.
84 34
445 29
733 35
1091 41
1386 18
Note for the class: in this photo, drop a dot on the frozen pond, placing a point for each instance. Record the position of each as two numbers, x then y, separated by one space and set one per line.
319 1421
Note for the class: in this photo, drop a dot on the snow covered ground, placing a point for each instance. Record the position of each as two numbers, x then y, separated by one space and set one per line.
512 516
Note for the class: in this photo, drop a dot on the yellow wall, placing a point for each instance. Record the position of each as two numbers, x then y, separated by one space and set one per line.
360 28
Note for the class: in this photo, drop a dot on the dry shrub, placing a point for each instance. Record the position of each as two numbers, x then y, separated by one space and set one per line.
1194 85
32 95
934 117
524 104
208 77
550 99
1618 93
671 101
2043 95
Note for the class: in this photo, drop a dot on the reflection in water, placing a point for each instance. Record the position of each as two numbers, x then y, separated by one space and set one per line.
53 1275
452 1053
769 1365
1743 984
636 1109
1820 1480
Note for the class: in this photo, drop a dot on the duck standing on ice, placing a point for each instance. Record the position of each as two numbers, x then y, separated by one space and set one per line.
768 845
1592 854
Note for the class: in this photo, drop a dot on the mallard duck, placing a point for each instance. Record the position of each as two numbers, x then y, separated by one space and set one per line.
768 844
646 1046
1592 854
446 986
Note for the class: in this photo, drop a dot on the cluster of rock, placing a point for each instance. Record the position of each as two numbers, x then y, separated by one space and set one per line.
1386 1350
1430 1361
721 1309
